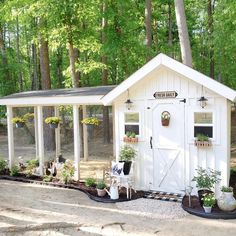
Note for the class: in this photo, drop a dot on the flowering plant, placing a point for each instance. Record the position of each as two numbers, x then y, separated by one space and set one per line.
29 116
209 200
18 119
165 115
90 121
52 120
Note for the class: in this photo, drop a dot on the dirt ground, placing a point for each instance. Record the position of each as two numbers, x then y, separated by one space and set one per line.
30 209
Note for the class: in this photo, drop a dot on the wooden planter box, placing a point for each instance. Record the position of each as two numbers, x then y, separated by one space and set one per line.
130 140
202 143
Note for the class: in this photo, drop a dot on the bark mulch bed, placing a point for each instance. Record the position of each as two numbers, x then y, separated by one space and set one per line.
90 191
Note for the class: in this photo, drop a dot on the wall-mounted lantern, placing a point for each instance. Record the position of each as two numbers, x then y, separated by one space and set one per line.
202 101
128 104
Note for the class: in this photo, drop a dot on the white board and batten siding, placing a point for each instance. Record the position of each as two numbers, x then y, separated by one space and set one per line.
171 162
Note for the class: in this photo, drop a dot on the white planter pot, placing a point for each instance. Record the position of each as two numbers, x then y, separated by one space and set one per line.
101 192
207 209
226 202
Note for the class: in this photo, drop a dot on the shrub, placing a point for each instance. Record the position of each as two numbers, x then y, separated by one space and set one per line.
31 165
3 166
90 182
14 170
67 171
101 185
47 178
206 178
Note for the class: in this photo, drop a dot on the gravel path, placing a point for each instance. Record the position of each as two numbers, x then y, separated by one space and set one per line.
155 209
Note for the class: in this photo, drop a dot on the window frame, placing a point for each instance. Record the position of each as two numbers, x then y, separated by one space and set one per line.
132 123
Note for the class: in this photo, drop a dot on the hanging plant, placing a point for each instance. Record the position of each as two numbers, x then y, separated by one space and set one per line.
90 121
18 121
165 118
53 121
29 117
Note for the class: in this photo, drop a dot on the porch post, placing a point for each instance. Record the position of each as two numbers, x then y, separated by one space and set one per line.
85 136
10 136
36 132
57 134
40 138
76 140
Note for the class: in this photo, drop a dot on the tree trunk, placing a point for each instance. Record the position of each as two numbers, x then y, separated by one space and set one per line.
148 26
72 65
49 134
170 28
34 74
106 123
59 67
183 33
210 30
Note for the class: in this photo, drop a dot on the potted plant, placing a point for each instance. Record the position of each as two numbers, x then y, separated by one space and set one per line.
90 121
101 185
29 117
205 180
127 153
202 140
226 202
53 121
208 202
165 118
18 121
130 137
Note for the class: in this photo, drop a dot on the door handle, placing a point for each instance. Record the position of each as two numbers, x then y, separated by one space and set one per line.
151 142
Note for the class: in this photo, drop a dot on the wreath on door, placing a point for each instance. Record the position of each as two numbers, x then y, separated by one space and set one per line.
165 118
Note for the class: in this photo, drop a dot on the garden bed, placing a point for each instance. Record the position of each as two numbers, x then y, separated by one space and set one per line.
197 209
91 192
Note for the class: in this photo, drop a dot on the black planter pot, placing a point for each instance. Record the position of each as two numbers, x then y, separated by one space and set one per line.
201 194
53 125
20 124
127 167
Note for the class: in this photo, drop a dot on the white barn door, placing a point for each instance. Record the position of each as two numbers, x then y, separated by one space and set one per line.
168 148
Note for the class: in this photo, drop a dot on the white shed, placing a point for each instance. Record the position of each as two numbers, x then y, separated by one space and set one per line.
167 155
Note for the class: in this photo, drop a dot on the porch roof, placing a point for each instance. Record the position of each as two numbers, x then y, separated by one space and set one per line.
70 96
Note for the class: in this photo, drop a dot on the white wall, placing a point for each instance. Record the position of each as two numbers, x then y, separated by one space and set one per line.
141 94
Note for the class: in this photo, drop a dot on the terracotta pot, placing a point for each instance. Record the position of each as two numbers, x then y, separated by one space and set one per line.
101 192
165 122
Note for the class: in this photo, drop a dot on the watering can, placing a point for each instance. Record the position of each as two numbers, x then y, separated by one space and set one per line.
113 193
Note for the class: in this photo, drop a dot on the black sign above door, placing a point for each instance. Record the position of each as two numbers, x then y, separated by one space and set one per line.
165 94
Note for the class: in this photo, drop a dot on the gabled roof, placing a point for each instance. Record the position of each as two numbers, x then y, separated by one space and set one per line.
83 95
163 60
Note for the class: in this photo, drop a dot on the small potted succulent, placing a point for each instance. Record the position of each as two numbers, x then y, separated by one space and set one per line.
53 121
205 181
202 140
29 117
208 202
101 185
127 153
19 121
130 137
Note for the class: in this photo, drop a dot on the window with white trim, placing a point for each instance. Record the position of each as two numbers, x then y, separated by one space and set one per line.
203 124
132 122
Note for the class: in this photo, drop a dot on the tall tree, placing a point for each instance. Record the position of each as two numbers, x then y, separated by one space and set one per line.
148 26
183 33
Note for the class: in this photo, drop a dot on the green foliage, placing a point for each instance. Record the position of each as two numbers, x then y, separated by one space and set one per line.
206 178
130 134
67 172
90 182
3 166
202 137
14 170
31 165
18 119
233 170
90 121
47 178
226 189
127 153
209 200
28 116
101 185
52 120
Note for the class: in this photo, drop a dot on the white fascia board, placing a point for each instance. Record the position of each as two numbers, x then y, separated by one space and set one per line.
199 78
51 101
133 79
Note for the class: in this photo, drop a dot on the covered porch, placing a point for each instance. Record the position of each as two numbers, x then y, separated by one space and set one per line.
79 99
